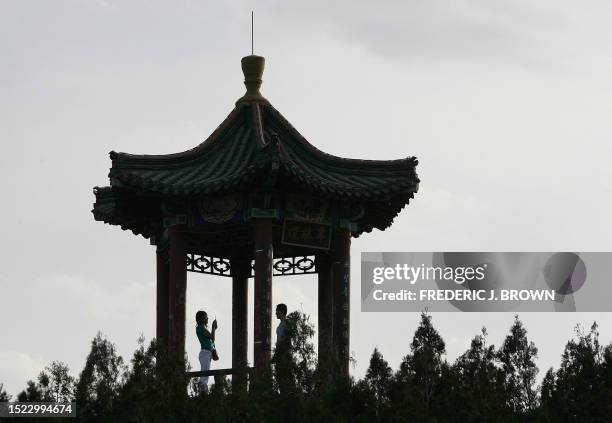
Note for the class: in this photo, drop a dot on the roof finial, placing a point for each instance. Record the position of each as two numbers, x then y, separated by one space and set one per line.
252 67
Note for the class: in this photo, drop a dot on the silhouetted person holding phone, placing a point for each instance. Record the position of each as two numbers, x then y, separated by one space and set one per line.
207 344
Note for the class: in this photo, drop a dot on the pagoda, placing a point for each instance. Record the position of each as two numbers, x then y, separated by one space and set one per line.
254 200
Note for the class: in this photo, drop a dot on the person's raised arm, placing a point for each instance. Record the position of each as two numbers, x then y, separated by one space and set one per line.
211 335
214 329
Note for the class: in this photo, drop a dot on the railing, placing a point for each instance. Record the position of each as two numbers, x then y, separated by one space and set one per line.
218 373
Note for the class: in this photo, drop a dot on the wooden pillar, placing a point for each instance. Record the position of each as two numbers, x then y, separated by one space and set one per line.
325 305
177 290
163 274
341 271
262 331
241 270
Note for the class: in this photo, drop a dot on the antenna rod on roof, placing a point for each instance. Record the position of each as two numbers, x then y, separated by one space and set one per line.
251 32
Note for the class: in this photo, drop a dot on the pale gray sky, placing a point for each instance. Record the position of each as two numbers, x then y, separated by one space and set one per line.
506 103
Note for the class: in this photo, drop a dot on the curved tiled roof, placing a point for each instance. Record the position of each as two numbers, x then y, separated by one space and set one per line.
254 147
250 139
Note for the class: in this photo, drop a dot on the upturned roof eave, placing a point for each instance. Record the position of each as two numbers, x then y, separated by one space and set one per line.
124 160
409 161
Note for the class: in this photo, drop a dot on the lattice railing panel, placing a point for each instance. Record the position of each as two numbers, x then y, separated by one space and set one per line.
282 266
208 264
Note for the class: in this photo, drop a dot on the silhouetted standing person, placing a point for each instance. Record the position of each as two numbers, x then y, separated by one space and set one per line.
207 340
282 352
281 315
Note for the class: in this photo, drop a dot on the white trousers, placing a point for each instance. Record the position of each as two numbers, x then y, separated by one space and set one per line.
204 365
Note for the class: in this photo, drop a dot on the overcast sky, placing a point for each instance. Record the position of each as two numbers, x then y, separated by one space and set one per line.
506 104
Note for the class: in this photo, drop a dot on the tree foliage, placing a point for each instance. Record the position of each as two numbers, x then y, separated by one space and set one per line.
378 381
419 379
581 390
54 383
4 396
99 382
517 356
478 383
295 357
484 384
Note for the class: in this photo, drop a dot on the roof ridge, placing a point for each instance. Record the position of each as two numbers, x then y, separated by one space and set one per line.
409 160
257 125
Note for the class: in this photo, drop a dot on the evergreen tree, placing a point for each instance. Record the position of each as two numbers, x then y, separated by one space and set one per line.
378 377
31 393
427 349
361 404
4 397
61 384
54 383
517 357
581 390
478 383
378 381
549 398
419 377
606 376
155 388
100 380
139 387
